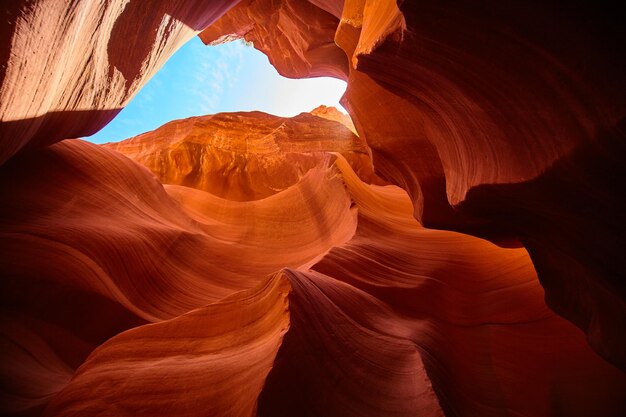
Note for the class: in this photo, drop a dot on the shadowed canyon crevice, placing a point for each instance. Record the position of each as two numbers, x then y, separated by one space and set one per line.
453 248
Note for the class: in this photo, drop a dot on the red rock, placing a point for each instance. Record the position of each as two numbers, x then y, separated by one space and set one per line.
243 156
69 68
488 118
296 36
474 311
502 133
93 245
248 270
213 361
332 113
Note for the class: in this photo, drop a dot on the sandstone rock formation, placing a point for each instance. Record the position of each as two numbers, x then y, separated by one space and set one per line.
250 265
296 35
68 68
497 124
502 121
93 245
244 156
331 113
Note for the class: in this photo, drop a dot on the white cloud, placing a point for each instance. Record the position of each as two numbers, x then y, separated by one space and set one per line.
216 68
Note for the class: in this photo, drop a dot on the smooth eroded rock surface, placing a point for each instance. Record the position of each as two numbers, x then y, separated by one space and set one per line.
453 248
245 156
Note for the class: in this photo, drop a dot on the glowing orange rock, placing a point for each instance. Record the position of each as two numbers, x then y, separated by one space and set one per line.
487 117
92 245
266 277
213 361
243 156
68 68
296 36
499 132
332 113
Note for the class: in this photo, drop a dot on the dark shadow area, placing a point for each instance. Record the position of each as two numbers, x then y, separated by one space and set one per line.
428 192
572 220
22 135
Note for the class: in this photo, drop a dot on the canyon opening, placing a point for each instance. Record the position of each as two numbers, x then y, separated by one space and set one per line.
214 240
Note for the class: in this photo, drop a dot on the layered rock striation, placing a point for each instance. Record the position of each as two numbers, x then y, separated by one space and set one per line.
245 156
504 121
69 68
456 251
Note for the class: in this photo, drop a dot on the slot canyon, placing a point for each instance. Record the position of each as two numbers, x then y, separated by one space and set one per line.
452 247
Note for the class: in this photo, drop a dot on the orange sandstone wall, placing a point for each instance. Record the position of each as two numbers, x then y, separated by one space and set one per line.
250 265
512 115
69 67
504 120
244 156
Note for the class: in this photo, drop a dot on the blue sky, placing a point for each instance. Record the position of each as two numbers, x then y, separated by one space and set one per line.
202 79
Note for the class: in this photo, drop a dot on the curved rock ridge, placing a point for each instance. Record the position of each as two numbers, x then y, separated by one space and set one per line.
497 123
244 156
68 68
395 319
308 218
258 267
296 35
399 350
499 131
110 222
447 295
96 246
210 361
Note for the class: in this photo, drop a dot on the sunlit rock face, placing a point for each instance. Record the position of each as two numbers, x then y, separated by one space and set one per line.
245 156
69 67
345 297
505 121
331 113
296 35
243 264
